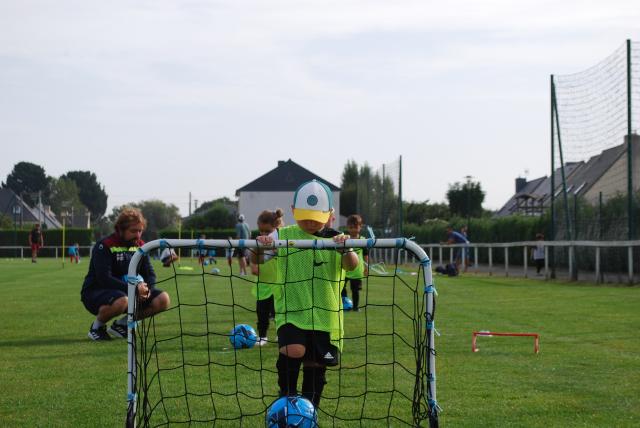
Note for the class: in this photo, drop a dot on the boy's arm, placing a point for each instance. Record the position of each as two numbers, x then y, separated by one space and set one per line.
350 259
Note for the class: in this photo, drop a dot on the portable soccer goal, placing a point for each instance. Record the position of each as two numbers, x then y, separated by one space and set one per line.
183 370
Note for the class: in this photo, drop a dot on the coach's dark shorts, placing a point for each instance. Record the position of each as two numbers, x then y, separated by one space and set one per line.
318 344
94 298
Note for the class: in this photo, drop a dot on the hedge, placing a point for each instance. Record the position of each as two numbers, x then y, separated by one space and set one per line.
195 233
52 237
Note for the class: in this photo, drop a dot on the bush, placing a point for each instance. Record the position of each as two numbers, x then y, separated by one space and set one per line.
195 233
52 237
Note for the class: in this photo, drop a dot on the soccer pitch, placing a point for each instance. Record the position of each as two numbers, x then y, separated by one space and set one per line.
586 374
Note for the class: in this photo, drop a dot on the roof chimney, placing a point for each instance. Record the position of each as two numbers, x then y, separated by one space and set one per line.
520 184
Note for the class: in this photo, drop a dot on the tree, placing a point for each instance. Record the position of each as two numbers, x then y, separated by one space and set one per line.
233 205
465 199
5 221
26 180
64 196
217 216
91 193
158 214
349 192
420 212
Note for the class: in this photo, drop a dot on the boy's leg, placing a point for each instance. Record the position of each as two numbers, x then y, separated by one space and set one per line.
356 285
313 382
263 308
292 351
321 355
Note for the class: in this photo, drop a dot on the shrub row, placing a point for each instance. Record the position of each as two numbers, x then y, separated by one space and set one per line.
52 237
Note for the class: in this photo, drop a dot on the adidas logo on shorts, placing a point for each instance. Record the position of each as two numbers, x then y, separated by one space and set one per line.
328 356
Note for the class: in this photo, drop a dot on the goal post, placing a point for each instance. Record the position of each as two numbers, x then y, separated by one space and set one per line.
175 365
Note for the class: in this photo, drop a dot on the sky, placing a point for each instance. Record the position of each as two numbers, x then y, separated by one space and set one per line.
165 98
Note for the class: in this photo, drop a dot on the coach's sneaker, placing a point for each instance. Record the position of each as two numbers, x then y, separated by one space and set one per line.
98 333
118 330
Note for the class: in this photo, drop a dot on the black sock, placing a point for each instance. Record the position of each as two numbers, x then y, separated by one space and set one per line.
313 383
288 371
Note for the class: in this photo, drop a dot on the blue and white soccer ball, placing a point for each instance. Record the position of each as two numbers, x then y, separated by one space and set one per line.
347 303
215 271
205 262
292 412
243 336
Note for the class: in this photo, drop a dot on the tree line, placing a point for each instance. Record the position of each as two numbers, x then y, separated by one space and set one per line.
369 193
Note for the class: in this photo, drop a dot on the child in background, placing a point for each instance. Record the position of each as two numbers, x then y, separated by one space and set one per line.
538 253
168 256
74 253
354 277
202 252
268 221
229 254
307 294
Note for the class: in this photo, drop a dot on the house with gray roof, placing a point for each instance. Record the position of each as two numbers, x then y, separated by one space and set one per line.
13 206
604 173
275 189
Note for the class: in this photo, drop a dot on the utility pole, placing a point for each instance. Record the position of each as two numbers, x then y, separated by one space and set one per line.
189 204
468 177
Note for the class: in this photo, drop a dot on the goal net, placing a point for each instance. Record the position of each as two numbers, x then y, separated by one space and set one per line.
184 371
596 147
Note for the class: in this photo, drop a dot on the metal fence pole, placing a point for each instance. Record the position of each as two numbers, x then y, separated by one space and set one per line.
506 261
490 261
630 258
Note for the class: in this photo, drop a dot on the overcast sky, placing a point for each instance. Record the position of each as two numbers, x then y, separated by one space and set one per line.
162 98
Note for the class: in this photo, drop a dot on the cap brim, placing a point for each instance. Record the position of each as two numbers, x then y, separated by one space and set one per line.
319 216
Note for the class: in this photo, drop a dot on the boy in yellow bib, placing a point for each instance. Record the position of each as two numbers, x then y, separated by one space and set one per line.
307 294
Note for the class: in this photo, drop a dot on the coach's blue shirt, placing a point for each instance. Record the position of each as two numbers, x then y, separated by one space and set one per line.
110 262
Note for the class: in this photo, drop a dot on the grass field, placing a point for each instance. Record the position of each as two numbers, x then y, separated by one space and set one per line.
587 373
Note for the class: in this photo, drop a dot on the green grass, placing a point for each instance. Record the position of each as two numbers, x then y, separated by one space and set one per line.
587 373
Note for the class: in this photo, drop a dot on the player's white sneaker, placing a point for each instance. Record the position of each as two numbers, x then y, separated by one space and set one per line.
263 341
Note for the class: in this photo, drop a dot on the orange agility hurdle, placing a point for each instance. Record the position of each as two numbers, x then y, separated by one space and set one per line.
536 336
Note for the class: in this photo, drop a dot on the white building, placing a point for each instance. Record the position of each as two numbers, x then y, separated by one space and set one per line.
275 189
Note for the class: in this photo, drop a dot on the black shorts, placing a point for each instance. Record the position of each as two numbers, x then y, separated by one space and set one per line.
317 343
94 298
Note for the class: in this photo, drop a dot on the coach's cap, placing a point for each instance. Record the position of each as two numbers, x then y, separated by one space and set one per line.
313 201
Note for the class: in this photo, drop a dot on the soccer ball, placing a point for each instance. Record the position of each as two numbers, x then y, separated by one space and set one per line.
215 271
205 262
292 412
347 304
243 336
